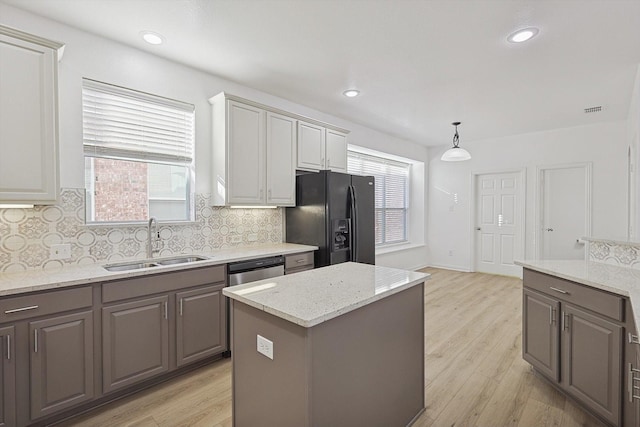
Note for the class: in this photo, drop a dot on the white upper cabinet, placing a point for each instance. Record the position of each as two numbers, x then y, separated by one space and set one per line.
321 148
311 146
253 154
281 160
257 149
28 118
336 150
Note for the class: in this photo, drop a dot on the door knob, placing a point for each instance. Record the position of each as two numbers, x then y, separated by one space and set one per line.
478 228
549 229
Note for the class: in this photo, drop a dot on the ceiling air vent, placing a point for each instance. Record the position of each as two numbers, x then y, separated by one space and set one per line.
593 109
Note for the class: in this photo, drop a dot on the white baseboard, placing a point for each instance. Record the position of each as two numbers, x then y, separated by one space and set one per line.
451 267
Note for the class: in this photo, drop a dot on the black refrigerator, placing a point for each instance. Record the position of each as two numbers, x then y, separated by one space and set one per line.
334 211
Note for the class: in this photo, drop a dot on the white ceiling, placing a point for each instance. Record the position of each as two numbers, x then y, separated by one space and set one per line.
420 65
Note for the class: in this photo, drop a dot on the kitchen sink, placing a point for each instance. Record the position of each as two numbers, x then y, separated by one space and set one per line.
180 260
129 266
126 266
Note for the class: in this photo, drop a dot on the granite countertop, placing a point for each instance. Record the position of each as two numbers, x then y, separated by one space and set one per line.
37 280
315 296
611 278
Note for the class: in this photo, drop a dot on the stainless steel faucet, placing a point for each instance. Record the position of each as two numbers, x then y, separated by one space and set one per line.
153 225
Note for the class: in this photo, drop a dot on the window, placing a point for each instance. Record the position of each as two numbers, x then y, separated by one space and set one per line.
391 193
138 151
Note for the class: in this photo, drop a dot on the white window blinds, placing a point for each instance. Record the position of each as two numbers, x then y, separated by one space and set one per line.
123 123
391 194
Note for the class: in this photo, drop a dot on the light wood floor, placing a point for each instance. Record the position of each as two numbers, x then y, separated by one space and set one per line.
474 369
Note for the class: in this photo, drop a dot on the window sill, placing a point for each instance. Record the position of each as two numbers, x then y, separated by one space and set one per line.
398 248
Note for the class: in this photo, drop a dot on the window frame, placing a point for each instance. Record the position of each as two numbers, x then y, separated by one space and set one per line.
98 150
390 160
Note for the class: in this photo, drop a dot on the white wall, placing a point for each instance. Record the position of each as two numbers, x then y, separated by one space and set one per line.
605 145
633 138
87 55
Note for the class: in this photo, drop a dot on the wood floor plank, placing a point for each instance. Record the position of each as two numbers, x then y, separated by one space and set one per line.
475 374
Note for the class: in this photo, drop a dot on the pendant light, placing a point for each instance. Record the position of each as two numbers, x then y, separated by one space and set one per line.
455 153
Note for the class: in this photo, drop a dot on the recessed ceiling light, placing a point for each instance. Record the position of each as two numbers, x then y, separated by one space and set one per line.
523 35
152 38
351 93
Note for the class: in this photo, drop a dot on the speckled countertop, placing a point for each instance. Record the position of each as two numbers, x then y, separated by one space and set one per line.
610 278
37 280
315 296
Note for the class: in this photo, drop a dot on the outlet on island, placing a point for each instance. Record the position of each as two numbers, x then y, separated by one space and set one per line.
265 347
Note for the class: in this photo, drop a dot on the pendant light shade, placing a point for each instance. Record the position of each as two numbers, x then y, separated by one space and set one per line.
455 153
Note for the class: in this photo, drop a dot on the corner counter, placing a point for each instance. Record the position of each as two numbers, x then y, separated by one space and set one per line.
344 346
621 281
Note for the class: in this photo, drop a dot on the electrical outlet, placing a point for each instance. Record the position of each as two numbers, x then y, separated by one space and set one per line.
236 239
60 251
252 237
451 252
265 347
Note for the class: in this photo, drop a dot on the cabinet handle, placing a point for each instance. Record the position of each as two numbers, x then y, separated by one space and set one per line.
550 316
181 306
166 315
633 339
269 194
18 310
35 340
299 261
565 322
562 291
630 383
328 162
8 347
322 161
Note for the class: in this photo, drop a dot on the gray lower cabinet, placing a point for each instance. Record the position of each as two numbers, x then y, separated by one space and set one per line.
295 263
573 335
591 361
135 340
61 362
201 324
8 377
540 333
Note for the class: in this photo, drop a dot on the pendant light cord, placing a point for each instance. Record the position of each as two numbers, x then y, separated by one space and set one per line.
456 138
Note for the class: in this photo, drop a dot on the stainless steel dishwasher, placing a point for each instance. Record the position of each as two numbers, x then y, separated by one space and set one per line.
249 271
255 269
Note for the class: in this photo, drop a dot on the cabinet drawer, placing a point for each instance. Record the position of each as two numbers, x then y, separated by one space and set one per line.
162 283
33 305
593 299
298 260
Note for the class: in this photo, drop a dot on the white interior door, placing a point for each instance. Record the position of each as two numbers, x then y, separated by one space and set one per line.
565 211
498 223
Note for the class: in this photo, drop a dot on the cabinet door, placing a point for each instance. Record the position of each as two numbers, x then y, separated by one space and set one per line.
311 146
336 151
8 377
281 160
135 342
540 345
61 362
201 326
28 121
591 361
246 168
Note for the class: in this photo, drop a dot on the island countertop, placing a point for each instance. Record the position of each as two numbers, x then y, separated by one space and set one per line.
315 296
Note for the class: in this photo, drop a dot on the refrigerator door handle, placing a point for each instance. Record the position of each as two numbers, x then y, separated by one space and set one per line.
354 224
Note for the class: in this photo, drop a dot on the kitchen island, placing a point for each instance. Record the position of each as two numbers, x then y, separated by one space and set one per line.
337 346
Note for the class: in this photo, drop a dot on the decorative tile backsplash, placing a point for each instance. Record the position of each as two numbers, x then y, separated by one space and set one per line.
615 253
26 235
